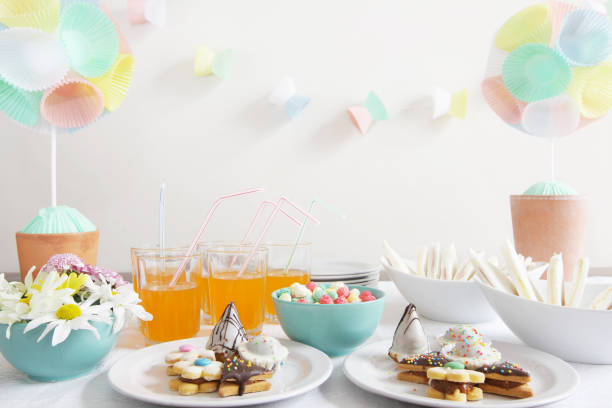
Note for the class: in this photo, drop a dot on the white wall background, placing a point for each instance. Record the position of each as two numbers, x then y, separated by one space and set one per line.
409 180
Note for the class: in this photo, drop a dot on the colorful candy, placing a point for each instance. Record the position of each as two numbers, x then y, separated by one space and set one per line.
335 293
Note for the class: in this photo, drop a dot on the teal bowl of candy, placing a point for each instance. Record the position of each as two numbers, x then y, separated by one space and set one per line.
79 354
335 329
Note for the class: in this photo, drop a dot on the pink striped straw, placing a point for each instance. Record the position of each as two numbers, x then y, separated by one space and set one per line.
271 218
211 212
262 206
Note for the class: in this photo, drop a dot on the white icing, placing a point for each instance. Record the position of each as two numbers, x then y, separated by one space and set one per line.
460 333
192 372
173 357
212 371
409 338
472 357
264 351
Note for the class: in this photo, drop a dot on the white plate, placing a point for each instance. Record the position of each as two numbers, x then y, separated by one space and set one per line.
142 375
552 379
341 269
346 279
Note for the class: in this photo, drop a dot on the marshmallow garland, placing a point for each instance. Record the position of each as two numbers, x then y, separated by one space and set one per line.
372 110
447 103
206 62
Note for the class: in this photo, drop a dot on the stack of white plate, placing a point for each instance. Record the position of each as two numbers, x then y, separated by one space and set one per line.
354 273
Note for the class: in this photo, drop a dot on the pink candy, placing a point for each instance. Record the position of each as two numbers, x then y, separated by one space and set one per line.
311 286
326 300
365 294
342 291
368 298
186 348
340 300
302 301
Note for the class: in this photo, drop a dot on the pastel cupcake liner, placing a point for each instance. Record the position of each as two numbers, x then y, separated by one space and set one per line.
361 118
155 12
591 87
21 106
585 38
534 71
136 11
559 9
41 14
553 117
459 104
282 92
124 45
530 25
59 220
376 107
495 61
31 59
78 129
296 104
115 83
66 3
222 64
501 100
73 103
202 62
89 38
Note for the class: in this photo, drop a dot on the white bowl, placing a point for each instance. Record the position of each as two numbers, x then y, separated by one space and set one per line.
442 300
578 335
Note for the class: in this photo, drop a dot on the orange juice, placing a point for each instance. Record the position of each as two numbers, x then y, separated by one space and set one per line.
276 279
247 293
175 310
203 284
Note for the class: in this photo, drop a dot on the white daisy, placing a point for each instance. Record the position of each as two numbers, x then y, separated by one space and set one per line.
123 300
47 298
12 308
70 316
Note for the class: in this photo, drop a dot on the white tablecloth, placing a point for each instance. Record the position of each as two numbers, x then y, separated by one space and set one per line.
93 390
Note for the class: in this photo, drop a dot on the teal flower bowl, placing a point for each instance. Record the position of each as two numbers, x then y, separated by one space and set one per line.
76 356
334 329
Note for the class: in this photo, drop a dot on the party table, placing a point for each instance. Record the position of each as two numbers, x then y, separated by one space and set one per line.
94 390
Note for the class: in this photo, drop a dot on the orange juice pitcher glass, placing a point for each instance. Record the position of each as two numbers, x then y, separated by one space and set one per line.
247 290
175 309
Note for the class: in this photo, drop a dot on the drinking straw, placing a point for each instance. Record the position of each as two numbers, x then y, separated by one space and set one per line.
301 233
53 166
211 212
267 227
262 206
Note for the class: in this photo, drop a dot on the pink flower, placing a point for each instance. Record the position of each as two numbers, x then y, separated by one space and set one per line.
63 263
104 275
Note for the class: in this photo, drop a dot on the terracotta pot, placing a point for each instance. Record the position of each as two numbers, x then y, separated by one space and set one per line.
36 249
544 225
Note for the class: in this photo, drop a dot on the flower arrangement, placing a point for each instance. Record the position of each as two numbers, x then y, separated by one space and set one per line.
68 295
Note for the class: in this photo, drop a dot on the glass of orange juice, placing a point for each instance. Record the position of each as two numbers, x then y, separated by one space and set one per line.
281 274
203 284
175 309
247 291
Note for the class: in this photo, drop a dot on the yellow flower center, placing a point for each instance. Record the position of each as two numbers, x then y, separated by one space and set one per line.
68 312
74 281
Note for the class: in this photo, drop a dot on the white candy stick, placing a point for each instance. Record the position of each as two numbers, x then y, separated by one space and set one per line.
539 295
581 272
489 275
554 276
464 270
535 270
528 262
430 262
436 261
395 260
493 261
603 301
450 260
421 262
517 272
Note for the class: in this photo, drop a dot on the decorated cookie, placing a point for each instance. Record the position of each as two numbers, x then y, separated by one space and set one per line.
240 376
264 351
184 357
414 369
459 334
471 354
227 334
453 382
506 379
409 338
202 375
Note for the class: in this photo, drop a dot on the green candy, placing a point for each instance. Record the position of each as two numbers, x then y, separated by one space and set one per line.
317 293
455 365
332 293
